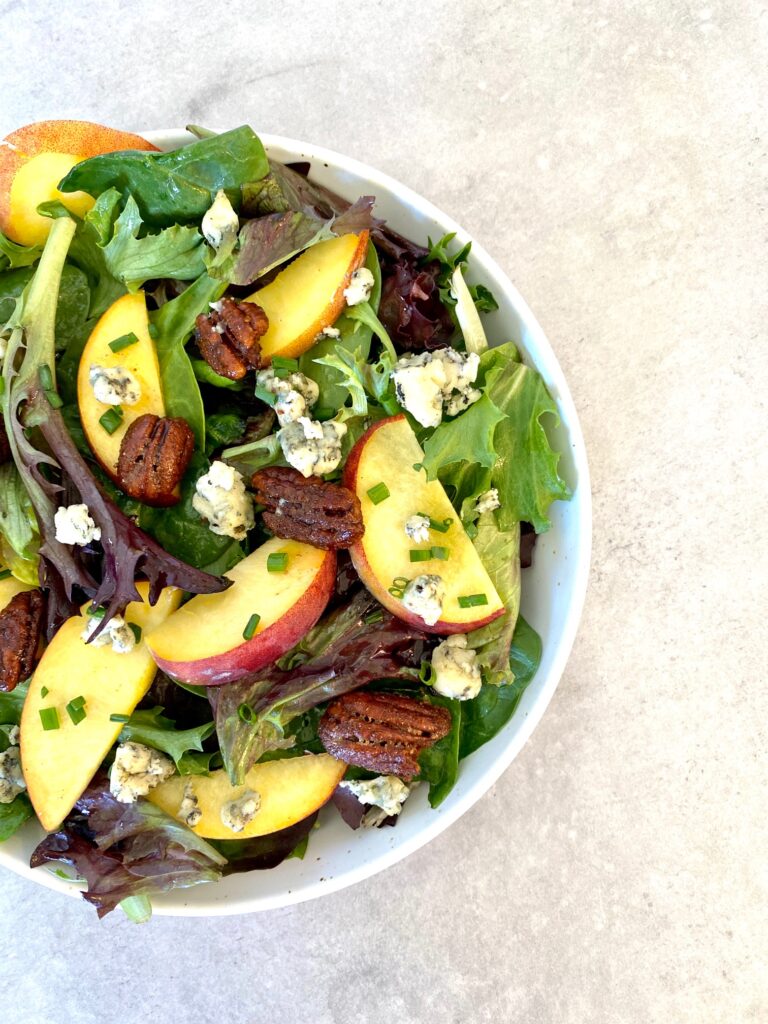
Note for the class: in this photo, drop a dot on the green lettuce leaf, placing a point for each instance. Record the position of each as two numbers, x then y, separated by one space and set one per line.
19 534
12 702
13 255
467 438
176 187
151 728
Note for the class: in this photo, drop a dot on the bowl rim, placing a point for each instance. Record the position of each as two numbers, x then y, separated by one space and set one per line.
172 905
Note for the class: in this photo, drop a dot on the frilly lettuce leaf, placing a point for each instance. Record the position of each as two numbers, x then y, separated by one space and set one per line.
499 552
150 727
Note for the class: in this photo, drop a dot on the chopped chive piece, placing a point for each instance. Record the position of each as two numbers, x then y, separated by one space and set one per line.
50 718
97 613
46 377
399 583
124 341
284 366
377 616
44 691
119 718
250 628
264 395
441 553
471 600
436 524
378 493
111 419
420 554
247 714
54 399
277 561
76 711
5 574
323 413
136 630
77 703
153 332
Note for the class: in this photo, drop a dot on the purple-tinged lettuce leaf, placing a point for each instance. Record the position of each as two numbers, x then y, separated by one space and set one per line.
264 852
125 850
341 653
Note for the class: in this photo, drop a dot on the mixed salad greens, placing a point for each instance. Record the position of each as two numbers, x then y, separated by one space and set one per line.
193 342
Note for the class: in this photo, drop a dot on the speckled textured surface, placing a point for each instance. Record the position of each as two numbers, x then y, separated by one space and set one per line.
612 158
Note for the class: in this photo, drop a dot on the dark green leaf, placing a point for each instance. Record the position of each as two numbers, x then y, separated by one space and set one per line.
13 255
71 307
13 815
206 375
12 702
440 763
154 730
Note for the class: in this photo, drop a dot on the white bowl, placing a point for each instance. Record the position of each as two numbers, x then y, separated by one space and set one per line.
552 599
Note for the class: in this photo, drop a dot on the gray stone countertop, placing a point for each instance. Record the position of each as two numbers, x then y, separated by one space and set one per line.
612 157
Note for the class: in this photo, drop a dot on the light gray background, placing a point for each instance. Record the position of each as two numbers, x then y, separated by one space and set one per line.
611 155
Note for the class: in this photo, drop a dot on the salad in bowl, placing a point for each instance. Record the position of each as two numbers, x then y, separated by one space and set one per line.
266 492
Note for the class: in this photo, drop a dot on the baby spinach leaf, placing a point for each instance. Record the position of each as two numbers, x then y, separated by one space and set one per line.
153 729
71 307
222 428
440 763
176 187
12 702
207 375
13 815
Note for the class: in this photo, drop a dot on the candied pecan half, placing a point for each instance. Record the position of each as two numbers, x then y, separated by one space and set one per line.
382 732
154 455
5 448
308 509
228 337
21 623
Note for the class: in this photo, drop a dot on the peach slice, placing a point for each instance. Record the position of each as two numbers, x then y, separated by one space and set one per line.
309 294
59 763
289 790
126 316
10 587
204 643
35 158
386 454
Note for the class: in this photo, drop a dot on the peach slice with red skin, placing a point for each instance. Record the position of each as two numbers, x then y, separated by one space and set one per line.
386 454
35 158
203 643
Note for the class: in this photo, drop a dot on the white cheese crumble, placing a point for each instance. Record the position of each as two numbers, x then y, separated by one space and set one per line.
137 770
487 501
238 813
417 528
424 596
114 385
328 332
189 810
11 779
430 383
74 525
220 223
295 394
386 793
117 634
457 674
359 288
221 499
312 448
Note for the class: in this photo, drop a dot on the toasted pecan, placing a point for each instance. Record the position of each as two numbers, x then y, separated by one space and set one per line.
21 624
382 732
228 337
308 509
154 455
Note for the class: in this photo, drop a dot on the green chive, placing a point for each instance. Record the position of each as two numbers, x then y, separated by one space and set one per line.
378 493
76 711
153 332
50 718
420 554
284 366
251 625
136 630
264 395
112 419
119 718
46 377
471 600
436 524
277 561
44 691
124 341
441 553
246 714
377 616
54 400
5 574
97 613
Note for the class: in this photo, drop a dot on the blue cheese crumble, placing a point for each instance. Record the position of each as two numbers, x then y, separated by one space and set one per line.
457 674
189 810
137 770
74 525
222 500
386 794
11 778
359 288
116 634
424 596
114 385
431 384
417 528
238 813
312 448
220 223
488 501
295 394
